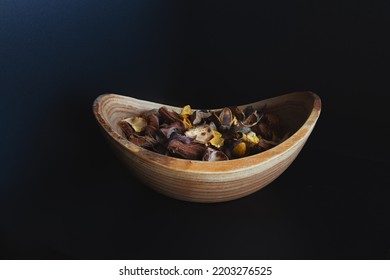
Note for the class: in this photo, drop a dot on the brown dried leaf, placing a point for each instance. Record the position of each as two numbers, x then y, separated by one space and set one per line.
126 129
169 116
192 151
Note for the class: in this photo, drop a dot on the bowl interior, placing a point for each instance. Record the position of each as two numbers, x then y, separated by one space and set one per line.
293 109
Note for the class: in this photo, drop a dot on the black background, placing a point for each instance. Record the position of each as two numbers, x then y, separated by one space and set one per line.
64 195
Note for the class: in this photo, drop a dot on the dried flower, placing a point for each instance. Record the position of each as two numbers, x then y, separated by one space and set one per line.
226 118
205 135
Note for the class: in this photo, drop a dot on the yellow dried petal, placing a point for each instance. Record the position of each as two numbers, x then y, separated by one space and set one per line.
251 137
239 150
217 140
137 123
186 111
187 123
235 121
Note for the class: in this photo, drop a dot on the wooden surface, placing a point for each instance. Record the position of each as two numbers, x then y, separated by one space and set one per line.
199 181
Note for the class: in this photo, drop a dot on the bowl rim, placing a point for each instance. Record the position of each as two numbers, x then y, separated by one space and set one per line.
168 162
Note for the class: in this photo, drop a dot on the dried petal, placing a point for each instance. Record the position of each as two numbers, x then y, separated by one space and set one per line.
239 150
200 115
201 134
252 119
251 137
185 112
137 123
214 155
217 140
187 123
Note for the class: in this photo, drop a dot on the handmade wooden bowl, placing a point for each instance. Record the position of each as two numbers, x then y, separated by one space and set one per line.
200 181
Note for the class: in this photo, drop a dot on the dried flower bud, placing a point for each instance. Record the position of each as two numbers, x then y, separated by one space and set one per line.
169 116
226 118
192 151
151 118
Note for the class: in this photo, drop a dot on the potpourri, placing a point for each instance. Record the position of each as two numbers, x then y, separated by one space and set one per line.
206 135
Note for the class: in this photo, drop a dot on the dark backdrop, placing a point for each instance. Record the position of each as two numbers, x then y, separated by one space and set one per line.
64 195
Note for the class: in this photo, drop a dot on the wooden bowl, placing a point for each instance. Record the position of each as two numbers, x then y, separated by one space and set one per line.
200 181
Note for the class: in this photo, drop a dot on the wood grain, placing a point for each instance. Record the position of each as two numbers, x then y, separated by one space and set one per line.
199 181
